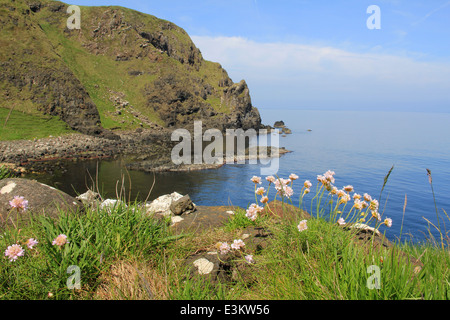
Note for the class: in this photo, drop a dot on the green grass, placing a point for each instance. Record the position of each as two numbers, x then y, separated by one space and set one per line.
124 254
21 125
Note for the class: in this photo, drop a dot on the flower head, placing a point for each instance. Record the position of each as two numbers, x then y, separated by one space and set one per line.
302 226
223 247
253 210
307 184
293 176
271 179
256 180
14 252
264 199
341 221
237 244
31 243
388 222
367 197
249 258
60 240
348 188
376 215
374 204
260 191
19 203
358 204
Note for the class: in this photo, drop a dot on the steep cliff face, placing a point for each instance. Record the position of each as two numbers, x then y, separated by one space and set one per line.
121 70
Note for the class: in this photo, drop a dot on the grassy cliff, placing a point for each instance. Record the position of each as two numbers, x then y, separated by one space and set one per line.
121 70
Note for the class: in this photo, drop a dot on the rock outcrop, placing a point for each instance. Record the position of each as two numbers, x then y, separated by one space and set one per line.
41 200
121 70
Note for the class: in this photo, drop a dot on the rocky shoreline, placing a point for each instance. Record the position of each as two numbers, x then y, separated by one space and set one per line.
146 150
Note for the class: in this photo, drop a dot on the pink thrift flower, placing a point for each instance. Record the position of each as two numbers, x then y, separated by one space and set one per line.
260 191
271 179
19 203
388 222
31 243
307 184
341 221
60 240
224 248
256 180
293 176
302 226
14 252
249 258
237 244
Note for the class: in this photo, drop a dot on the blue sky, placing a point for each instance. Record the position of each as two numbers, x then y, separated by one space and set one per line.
314 54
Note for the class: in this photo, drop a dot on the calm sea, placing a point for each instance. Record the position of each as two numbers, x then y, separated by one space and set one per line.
359 146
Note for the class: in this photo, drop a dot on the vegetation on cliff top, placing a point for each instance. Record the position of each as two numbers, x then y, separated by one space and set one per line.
123 69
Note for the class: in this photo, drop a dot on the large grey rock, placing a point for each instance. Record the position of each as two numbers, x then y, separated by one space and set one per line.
42 199
161 205
183 205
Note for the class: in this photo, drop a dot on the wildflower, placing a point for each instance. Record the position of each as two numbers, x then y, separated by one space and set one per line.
281 185
340 193
256 180
224 247
334 190
306 191
307 184
345 198
260 191
341 221
50 295
14 252
322 180
356 196
288 192
367 197
376 215
329 176
237 244
364 204
293 176
19 203
302 226
252 211
388 222
358 204
60 240
249 258
348 188
373 204
271 179
264 199
31 243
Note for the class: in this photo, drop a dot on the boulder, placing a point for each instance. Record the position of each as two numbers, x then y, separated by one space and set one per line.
42 199
161 205
278 124
286 130
184 205
89 198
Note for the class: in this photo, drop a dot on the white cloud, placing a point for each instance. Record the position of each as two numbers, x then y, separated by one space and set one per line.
299 75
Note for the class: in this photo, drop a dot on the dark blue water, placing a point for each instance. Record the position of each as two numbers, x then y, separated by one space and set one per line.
360 147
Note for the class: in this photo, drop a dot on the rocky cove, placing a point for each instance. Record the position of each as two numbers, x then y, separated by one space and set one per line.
144 149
